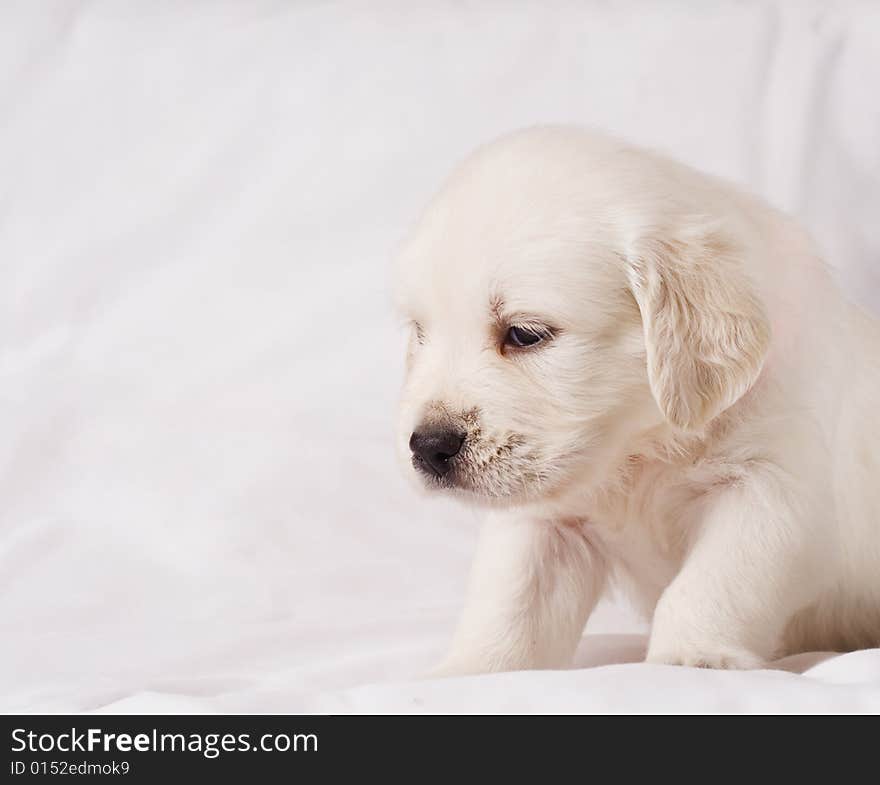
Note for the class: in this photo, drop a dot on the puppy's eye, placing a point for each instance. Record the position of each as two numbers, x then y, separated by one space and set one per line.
523 337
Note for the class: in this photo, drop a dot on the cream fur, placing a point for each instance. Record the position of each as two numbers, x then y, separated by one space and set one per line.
701 428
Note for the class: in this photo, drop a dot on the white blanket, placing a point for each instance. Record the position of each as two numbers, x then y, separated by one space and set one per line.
200 508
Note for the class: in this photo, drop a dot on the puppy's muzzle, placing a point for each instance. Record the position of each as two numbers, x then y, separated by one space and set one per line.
433 449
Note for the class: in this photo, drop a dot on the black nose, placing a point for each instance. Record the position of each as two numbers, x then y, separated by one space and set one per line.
434 448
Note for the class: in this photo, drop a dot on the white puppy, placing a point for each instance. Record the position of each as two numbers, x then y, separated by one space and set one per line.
652 381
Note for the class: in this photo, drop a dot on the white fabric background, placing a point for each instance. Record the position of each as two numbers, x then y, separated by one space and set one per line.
200 508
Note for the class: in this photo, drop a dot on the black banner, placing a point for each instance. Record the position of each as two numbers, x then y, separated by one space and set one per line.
263 748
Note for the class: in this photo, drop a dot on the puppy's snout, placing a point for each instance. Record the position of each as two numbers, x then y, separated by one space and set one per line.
434 448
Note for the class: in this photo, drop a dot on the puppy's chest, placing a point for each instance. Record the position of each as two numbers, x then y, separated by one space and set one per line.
643 525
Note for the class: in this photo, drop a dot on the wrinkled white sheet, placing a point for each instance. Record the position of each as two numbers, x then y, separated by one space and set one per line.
200 508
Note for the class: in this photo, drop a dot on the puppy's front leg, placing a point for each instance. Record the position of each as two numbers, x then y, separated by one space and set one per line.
533 585
756 560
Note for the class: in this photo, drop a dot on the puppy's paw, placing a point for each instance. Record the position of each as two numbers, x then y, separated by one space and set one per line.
720 658
696 637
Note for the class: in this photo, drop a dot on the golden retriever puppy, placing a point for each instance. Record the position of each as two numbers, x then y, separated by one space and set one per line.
651 381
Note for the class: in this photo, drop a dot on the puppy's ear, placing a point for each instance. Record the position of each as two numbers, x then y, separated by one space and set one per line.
705 329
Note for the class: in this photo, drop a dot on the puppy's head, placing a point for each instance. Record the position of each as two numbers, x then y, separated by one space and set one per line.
562 300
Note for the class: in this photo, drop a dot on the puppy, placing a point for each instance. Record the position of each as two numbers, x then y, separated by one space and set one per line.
651 381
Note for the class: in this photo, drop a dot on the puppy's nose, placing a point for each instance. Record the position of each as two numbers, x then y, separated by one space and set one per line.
434 449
